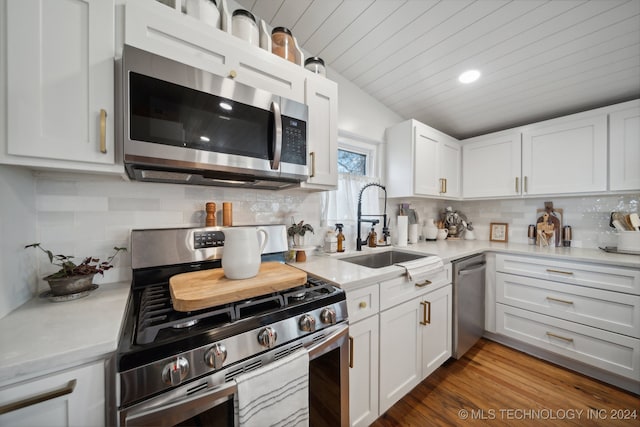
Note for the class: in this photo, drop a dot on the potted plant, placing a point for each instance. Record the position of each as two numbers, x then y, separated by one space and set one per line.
297 231
73 278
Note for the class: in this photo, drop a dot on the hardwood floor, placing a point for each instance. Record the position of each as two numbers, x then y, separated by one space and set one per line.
498 386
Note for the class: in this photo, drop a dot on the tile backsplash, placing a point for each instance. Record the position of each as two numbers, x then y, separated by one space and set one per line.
88 214
588 216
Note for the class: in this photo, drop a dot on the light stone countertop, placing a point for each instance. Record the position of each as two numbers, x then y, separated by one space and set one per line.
351 276
43 336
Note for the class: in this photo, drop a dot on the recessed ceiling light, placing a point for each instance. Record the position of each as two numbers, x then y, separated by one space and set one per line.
469 76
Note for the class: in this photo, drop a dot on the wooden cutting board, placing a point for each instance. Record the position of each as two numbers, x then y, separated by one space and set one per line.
210 288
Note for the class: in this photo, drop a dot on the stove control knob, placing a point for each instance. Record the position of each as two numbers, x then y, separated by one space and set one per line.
267 337
216 355
307 323
328 316
174 372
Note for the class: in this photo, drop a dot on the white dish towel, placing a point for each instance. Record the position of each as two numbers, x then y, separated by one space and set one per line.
275 395
420 268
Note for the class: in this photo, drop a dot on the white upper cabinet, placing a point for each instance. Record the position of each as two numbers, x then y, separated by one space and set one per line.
491 165
154 27
624 147
60 84
422 161
565 155
321 96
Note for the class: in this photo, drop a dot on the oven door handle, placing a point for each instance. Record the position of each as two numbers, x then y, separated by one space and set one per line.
158 412
334 340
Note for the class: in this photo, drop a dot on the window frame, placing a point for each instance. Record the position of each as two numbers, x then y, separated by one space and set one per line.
367 148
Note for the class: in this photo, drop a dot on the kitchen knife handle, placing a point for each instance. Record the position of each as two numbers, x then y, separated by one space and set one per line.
30 401
277 136
426 312
517 184
103 131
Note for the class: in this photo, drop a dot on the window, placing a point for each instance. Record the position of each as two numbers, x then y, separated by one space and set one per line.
352 163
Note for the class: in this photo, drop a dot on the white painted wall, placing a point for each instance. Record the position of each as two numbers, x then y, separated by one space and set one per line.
17 228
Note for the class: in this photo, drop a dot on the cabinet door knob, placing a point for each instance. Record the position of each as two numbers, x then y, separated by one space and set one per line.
233 74
103 131
362 304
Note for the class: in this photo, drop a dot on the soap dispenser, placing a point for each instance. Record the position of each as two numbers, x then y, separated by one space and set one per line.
373 237
340 238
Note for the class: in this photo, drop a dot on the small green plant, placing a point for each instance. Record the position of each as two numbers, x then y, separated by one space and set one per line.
299 229
89 266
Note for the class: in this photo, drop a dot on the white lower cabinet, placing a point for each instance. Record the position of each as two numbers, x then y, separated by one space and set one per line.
613 352
72 398
363 305
582 311
415 339
363 372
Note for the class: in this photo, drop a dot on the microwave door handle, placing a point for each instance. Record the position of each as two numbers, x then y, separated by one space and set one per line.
277 135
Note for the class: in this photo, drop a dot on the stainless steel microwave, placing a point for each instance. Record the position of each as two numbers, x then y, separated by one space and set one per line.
182 124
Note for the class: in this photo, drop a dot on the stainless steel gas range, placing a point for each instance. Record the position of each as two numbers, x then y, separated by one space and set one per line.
176 368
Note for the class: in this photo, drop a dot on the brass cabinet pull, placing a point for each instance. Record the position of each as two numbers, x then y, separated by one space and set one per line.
525 185
233 74
30 401
103 131
568 273
351 352
444 180
313 164
362 304
423 284
564 301
426 312
517 184
560 337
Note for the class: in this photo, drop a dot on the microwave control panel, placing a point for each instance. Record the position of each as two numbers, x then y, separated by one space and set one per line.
294 141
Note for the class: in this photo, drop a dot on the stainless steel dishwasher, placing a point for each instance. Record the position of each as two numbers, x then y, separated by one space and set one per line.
468 303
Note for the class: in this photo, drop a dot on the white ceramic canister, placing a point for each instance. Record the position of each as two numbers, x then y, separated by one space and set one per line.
204 10
244 26
242 250
430 231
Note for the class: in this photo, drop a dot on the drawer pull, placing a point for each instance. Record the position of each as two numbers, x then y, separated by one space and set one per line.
103 131
564 301
425 283
362 304
351 352
30 401
560 337
517 184
426 312
568 273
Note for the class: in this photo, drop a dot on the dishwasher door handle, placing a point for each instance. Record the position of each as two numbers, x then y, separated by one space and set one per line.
472 269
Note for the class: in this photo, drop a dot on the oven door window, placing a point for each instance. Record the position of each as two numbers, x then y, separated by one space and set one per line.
170 114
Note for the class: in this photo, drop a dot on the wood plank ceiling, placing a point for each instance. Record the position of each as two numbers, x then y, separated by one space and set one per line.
538 58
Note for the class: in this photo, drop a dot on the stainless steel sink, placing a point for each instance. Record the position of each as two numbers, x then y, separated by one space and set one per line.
383 259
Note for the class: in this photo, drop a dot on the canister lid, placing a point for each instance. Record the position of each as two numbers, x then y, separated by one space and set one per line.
314 60
281 30
243 12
